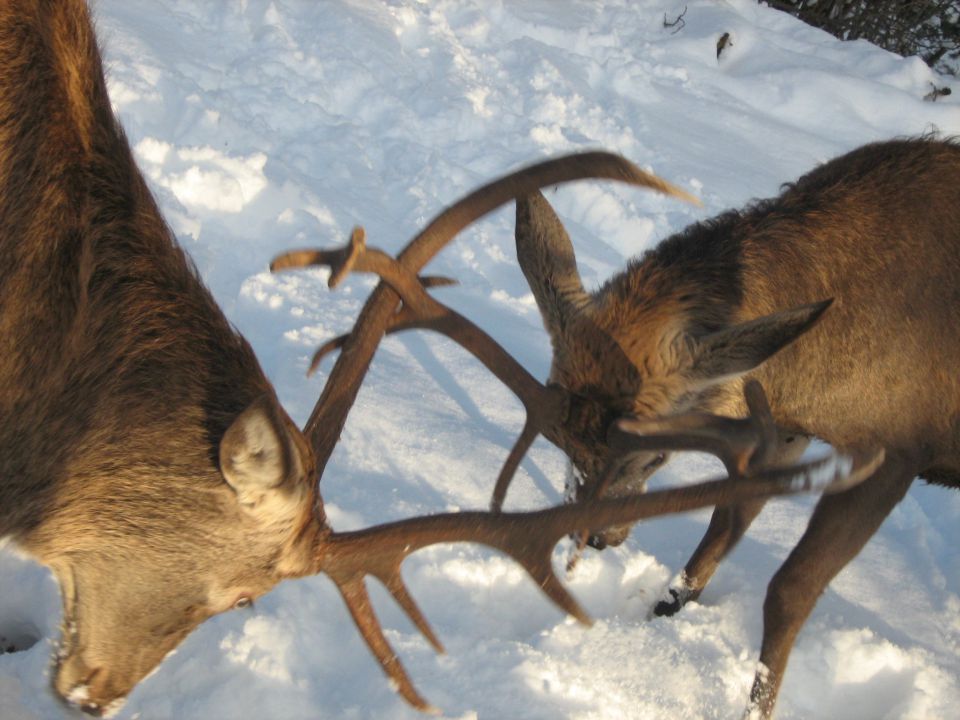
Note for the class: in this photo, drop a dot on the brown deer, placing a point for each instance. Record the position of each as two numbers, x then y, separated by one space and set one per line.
877 232
144 456
869 241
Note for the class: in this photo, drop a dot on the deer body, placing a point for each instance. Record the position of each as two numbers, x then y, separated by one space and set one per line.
878 232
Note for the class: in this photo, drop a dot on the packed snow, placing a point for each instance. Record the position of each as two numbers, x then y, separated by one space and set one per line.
264 125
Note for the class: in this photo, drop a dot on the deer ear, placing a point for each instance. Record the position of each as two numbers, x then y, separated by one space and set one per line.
546 257
256 455
740 348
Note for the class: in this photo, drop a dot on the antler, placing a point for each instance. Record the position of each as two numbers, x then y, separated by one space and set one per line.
379 314
529 537
745 446
545 406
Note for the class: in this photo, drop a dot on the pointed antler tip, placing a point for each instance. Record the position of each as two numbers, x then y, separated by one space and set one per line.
280 262
434 281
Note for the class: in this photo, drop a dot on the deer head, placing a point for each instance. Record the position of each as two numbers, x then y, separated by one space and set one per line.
173 545
632 350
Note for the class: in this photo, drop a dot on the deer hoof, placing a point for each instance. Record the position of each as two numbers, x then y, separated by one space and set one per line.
679 596
666 608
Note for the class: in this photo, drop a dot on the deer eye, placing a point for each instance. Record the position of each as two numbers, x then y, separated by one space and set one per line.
243 602
655 463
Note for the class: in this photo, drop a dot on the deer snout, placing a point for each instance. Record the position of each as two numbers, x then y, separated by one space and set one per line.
89 690
630 480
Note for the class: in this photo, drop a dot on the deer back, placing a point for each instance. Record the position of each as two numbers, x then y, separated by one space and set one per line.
879 231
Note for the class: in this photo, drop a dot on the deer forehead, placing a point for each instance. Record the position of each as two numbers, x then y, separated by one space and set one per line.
653 346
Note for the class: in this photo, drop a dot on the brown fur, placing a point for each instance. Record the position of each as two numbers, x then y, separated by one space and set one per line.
878 232
118 379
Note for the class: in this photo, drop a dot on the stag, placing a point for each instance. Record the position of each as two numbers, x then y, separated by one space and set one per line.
860 257
144 456
876 233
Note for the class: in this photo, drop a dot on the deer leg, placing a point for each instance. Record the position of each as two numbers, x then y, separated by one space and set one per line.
839 528
727 525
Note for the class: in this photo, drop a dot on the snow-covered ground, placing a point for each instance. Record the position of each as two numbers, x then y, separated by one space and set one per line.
264 125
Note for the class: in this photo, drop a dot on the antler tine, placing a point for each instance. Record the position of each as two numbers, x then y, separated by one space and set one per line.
340 260
357 600
593 165
400 321
529 538
545 407
763 423
745 446
526 438
329 415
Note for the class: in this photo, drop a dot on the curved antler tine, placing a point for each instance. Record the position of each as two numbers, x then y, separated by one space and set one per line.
853 469
400 593
763 423
328 347
399 322
541 570
302 258
355 595
340 260
580 545
432 281
509 469
592 165
832 473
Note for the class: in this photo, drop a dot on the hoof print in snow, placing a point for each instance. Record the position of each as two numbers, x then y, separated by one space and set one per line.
17 637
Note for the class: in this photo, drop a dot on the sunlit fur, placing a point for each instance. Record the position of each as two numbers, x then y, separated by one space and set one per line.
118 378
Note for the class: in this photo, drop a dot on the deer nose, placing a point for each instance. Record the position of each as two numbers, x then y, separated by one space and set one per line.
597 542
80 698
611 537
92 709
87 690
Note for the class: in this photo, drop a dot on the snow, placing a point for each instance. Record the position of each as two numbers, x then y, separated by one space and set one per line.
265 125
